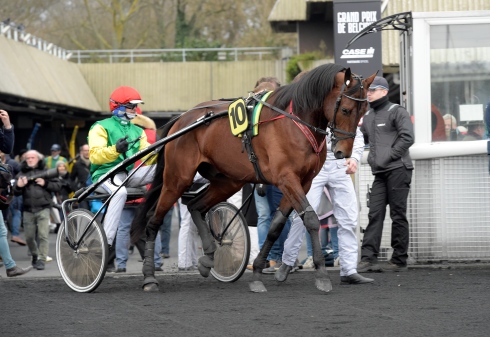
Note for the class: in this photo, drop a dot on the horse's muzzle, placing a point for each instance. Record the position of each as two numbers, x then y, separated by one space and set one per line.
339 155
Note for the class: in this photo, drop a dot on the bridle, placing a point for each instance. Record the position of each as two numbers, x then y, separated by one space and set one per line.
332 125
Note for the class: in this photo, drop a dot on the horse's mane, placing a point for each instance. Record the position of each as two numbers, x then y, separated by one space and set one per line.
309 92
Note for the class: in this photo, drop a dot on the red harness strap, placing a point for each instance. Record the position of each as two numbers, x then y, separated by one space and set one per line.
308 134
306 131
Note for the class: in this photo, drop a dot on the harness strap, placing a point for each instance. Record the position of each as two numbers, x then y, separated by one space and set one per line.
291 116
252 157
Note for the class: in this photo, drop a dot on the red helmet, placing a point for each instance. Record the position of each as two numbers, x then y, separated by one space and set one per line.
124 95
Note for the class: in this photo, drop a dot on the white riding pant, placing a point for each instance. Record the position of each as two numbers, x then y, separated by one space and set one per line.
341 189
144 175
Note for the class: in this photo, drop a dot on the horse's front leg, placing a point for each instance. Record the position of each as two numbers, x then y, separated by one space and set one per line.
276 227
312 224
298 199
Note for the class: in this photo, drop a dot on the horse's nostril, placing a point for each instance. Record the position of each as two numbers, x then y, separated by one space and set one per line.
339 155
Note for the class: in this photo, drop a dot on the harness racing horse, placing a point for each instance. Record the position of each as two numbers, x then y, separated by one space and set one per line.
289 154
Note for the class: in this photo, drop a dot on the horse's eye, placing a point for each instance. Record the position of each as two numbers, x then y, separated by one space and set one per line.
345 111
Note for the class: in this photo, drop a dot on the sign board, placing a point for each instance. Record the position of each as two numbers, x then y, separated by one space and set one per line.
471 112
350 17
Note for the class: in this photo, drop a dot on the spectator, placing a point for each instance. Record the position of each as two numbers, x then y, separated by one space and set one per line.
451 127
6 146
54 157
438 125
334 174
20 157
14 208
111 141
80 171
388 129
36 193
61 195
64 177
476 131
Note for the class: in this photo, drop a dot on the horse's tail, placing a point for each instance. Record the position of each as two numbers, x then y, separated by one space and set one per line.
147 207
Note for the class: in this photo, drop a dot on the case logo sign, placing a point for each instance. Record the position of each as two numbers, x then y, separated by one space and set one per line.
363 56
357 53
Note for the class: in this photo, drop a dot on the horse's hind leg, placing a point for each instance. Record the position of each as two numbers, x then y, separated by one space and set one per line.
206 262
219 190
165 202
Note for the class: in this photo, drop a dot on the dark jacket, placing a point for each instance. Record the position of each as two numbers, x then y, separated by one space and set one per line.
389 132
7 140
13 164
36 197
79 175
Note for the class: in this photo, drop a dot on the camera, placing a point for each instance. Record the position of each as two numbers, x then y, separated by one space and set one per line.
49 174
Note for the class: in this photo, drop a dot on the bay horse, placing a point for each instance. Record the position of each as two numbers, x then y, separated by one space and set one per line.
289 154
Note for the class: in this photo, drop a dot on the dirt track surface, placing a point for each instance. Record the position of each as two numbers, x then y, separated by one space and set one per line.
420 302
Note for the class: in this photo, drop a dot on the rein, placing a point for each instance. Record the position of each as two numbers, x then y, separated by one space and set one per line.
306 127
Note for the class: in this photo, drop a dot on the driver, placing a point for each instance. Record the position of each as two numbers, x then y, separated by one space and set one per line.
111 141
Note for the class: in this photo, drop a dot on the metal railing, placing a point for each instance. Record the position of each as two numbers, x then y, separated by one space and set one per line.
180 55
12 31
17 33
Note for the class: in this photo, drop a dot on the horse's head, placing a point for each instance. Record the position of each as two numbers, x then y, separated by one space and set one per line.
350 106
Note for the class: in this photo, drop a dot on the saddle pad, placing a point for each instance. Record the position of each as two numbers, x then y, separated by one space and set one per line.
256 114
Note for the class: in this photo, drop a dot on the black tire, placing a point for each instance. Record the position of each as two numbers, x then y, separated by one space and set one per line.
83 269
233 249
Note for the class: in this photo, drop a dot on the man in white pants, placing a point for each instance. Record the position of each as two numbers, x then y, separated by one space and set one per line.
335 176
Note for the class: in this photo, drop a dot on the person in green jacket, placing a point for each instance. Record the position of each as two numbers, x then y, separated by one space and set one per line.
111 141
55 157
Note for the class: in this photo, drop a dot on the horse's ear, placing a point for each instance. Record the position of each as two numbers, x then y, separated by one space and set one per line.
370 79
347 77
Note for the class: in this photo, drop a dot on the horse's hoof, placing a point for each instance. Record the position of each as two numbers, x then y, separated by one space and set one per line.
282 273
203 270
151 287
257 287
206 261
323 284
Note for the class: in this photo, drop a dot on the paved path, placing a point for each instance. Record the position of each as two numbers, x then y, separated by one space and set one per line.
452 300
19 253
420 302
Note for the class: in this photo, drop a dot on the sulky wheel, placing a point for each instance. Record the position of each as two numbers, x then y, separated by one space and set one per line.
233 243
83 269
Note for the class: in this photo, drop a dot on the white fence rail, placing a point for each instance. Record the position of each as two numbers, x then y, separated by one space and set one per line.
180 55
17 33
